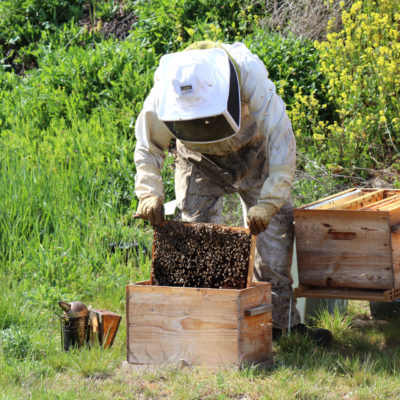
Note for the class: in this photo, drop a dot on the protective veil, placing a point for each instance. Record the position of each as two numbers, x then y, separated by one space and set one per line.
258 163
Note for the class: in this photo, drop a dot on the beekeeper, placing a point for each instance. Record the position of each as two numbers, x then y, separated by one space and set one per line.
233 136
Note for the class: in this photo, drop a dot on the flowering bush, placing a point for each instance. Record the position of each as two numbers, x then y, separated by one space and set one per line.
362 69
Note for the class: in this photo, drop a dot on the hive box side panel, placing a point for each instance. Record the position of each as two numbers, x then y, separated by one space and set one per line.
396 259
168 324
255 339
343 249
394 216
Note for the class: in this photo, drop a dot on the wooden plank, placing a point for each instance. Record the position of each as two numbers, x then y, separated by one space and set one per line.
201 326
376 205
391 207
196 327
262 309
395 245
343 248
104 326
347 294
251 261
360 201
255 332
394 217
329 201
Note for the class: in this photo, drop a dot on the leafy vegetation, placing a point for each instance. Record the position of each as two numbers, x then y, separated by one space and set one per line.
69 99
360 65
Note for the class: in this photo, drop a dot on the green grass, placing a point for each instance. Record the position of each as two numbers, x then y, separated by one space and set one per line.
67 193
360 363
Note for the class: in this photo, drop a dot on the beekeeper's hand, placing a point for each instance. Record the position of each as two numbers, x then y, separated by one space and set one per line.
259 216
151 208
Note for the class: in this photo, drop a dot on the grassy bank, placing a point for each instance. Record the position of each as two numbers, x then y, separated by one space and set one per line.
361 363
70 92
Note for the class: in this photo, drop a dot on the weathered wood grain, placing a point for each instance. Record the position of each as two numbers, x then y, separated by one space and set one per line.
360 201
337 248
383 202
201 326
395 245
354 246
341 293
255 332
327 202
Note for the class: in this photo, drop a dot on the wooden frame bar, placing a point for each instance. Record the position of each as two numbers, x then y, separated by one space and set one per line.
360 201
327 202
378 204
347 293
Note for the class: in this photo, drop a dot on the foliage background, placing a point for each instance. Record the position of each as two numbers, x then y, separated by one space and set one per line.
69 96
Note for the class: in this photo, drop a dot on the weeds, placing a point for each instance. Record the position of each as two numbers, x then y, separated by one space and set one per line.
67 191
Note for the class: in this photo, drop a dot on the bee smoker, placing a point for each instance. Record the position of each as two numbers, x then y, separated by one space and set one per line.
74 324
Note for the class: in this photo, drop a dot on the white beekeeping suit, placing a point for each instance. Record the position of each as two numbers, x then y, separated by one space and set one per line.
256 159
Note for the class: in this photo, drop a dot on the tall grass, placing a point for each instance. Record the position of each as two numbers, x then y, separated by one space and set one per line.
67 194
62 200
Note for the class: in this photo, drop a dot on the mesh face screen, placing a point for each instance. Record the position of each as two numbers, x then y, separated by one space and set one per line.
201 130
211 129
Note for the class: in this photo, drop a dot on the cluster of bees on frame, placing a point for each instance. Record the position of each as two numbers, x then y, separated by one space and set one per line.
200 255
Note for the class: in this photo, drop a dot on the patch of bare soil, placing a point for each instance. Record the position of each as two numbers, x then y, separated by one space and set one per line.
17 62
118 26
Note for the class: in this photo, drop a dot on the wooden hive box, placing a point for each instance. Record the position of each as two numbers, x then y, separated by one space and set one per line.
348 246
210 327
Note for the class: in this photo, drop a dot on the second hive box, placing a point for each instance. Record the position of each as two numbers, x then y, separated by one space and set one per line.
350 241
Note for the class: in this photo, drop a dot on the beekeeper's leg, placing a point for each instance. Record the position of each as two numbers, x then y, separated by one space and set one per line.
199 198
273 259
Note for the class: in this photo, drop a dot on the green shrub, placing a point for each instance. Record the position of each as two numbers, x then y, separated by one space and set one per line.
292 64
362 66
22 23
73 82
166 26
23 20
66 130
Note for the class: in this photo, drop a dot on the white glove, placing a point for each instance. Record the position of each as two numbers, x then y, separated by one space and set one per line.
259 216
151 208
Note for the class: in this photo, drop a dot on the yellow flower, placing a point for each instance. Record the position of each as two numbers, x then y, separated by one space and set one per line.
318 137
355 7
190 31
382 117
380 61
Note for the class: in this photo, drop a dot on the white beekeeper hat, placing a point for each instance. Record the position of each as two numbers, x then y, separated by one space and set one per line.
198 95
